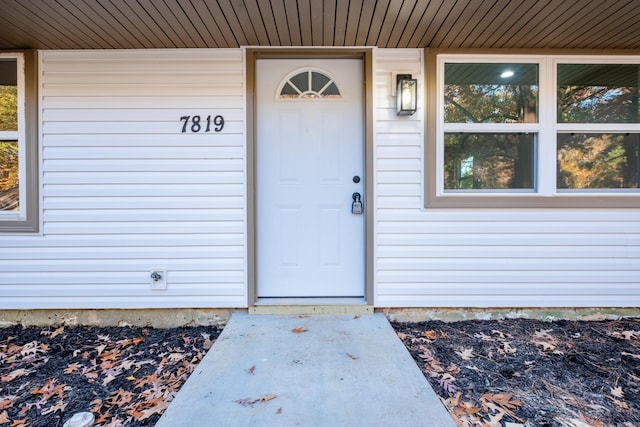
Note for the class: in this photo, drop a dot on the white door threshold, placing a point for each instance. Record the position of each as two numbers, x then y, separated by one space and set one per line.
310 306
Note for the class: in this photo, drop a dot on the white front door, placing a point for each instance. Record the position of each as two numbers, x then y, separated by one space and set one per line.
309 163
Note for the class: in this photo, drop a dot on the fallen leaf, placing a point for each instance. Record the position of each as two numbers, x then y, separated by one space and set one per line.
448 385
620 403
431 334
617 392
4 417
625 335
546 345
251 370
119 398
73 367
483 337
352 357
247 401
506 348
267 397
501 402
466 353
279 411
7 402
14 374
299 330
60 406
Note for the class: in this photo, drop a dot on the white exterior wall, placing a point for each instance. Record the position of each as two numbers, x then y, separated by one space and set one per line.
125 192
484 257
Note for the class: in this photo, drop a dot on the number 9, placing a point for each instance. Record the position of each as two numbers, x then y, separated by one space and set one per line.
218 121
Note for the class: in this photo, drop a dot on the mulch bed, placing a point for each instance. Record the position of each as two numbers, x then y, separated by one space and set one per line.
125 376
487 373
532 373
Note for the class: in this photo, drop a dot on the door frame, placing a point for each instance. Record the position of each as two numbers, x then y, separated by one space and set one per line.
251 56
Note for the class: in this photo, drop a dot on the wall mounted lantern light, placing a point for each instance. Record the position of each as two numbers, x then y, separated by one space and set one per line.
406 95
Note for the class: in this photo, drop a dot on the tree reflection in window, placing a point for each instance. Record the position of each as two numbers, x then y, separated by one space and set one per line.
309 84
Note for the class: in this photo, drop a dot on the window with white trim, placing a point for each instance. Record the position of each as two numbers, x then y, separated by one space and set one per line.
18 160
534 131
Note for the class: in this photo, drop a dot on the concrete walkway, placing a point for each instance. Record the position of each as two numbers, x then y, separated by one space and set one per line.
267 370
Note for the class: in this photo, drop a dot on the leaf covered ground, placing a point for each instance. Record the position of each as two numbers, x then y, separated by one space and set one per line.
487 373
125 376
531 373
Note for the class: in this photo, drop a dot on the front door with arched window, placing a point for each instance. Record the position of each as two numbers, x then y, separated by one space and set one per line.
309 167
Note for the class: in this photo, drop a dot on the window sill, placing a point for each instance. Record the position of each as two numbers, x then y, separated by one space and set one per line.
525 201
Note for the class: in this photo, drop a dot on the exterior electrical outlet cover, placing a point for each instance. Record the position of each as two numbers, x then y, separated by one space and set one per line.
158 279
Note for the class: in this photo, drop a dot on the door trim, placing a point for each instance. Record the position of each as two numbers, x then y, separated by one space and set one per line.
251 56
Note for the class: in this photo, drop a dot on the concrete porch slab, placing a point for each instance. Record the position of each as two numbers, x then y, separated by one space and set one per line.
338 370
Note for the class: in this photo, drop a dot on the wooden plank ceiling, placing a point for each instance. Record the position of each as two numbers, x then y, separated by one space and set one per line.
126 24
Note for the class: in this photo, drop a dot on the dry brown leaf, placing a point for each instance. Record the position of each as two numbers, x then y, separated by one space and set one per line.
466 354
4 417
251 370
299 330
625 335
49 389
14 374
431 335
247 401
60 406
617 392
119 398
506 348
546 345
73 367
158 408
620 403
635 356
494 420
352 357
501 402
7 402
502 399
267 397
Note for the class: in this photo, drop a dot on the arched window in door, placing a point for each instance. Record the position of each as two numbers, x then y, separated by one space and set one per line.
309 83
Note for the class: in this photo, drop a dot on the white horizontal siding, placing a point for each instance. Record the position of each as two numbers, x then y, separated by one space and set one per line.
124 191
485 258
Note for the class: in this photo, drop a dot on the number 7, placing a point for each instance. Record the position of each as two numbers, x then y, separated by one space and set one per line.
186 121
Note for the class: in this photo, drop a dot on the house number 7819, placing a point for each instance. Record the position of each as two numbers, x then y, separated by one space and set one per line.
197 124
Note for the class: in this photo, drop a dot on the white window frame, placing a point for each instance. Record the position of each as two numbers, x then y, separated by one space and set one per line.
544 194
25 219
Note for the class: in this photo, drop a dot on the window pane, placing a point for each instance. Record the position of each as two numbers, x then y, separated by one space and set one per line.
8 95
491 93
489 161
9 184
598 93
301 81
598 160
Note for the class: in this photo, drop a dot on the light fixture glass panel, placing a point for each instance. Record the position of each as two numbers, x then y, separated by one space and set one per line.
406 96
